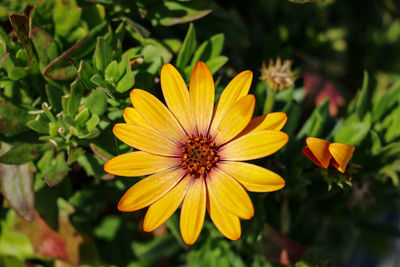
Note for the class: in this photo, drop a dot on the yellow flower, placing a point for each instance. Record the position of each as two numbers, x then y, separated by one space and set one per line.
323 152
194 152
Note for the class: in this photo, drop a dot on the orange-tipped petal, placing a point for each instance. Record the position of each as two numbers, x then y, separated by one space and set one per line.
235 120
146 140
163 208
150 189
157 115
254 178
227 223
131 116
201 95
341 154
176 96
139 163
193 211
254 145
270 121
230 194
319 148
236 89
307 152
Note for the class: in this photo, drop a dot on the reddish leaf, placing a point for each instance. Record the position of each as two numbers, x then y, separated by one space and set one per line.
20 24
63 245
16 186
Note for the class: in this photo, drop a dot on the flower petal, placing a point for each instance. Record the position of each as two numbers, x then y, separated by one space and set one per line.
254 178
163 208
157 115
253 145
176 96
320 149
236 89
145 139
270 121
201 94
150 189
193 211
230 194
227 223
236 120
341 153
139 163
131 116
307 152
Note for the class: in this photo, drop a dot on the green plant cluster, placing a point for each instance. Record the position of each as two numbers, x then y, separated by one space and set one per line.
67 68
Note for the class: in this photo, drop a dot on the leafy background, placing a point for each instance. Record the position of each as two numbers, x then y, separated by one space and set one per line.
66 70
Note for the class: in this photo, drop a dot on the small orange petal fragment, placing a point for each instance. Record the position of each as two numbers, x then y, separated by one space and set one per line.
319 148
341 154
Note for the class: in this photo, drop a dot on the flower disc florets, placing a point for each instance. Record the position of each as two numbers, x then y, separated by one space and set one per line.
199 155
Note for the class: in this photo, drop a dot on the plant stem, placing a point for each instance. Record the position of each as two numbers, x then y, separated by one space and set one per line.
269 102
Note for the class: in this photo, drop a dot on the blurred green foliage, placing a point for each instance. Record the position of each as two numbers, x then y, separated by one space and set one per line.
66 70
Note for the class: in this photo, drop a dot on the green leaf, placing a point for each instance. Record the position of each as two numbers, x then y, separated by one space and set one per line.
108 228
75 96
13 242
97 102
127 81
61 68
97 80
17 73
82 117
156 249
142 31
385 102
23 153
66 16
16 186
353 131
187 11
102 55
39 124
216 63
13 118
155 54
54 95
92 122
209 49
376 142
315 123
42 15
53 169
74 153
112 72
393 129
9 261
363 98
92 164
187 49
45 47
85 71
